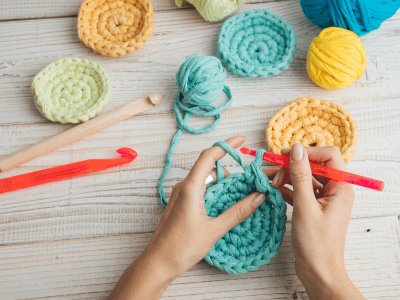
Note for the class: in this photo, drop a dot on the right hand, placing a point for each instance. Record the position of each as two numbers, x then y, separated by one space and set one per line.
319 222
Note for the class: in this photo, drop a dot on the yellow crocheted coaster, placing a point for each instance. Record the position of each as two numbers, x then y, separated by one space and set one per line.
71 90
313 123
115 28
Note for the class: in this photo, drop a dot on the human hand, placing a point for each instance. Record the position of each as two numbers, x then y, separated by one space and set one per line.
319 223
186 233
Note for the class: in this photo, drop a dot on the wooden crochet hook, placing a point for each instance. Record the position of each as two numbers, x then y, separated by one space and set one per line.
80 131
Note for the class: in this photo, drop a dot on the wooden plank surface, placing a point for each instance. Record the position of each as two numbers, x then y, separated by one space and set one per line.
25 9
125 200
73 239
29 45
89 269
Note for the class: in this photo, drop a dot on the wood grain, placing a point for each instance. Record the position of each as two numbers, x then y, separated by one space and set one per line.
125 200
25 9
28 46
89 269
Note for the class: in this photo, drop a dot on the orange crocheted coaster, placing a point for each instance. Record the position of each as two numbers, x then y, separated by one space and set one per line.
115 28
313 122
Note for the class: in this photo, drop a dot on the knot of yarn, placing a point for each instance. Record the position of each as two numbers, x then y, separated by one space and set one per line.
359 16
214 10
71 90
255 241
200 81
336 58
257 43
115 28
313 123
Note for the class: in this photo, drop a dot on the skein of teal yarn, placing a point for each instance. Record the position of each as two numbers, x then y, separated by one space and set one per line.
255 241
257 43
200 81
359 16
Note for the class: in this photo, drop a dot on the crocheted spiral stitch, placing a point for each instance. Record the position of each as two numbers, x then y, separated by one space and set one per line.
200 80
255 241
336 58
313 122
359 16
115 27
257 43
71 90
214 10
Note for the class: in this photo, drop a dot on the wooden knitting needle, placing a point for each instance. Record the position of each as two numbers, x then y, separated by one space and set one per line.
80 131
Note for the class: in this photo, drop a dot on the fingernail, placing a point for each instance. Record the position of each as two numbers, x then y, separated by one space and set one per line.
259 199
276 179
297 152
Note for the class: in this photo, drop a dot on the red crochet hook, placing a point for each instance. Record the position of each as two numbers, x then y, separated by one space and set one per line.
65 171
324 171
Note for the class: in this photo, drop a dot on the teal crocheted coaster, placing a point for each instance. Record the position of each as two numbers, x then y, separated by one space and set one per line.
71 90
257 43
255 241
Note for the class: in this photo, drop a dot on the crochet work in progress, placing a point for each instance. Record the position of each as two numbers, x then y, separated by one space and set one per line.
214 10
115 28
257 43
200 81
336 58
359 16
255 241
313 123
71 90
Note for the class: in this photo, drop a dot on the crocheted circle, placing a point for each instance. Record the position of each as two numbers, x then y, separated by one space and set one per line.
255 241
336 58
71 90
359 16
313 123
115 28
257 43
214 10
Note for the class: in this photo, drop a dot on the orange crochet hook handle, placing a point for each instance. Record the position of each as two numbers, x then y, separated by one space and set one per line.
325 171
65 171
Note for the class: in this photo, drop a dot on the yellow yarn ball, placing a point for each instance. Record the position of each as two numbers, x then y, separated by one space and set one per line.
336 58
214 10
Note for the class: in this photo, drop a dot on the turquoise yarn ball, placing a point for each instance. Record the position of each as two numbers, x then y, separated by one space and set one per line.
257 43
200 81
360 16
255 241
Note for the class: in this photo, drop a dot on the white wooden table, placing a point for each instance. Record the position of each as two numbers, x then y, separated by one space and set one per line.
73 239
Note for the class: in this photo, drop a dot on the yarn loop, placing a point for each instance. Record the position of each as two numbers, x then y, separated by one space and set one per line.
257 43
200 81
71 90
255 241
336 58
359 16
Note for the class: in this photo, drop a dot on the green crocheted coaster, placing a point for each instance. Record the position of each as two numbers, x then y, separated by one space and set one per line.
71 90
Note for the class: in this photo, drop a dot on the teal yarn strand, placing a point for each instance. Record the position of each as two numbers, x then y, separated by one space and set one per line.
257 43
255 241
360 16
200 81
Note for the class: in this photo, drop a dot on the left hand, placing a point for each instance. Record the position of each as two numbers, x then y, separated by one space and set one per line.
186 233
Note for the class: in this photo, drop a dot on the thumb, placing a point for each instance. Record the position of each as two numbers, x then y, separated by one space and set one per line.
239 212
301 177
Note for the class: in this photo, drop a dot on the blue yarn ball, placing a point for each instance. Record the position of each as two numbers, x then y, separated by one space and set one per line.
360 16
201 79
